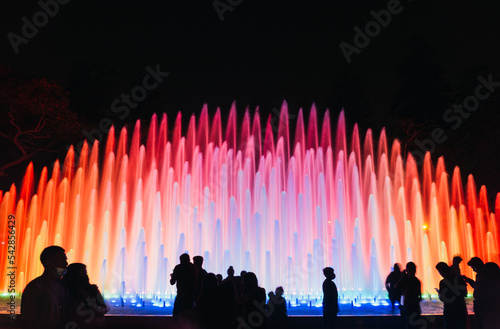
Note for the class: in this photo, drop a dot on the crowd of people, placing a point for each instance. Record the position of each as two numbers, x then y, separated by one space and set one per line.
63 297
211 301
405 290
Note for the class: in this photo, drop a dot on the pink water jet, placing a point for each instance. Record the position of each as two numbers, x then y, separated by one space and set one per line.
251 198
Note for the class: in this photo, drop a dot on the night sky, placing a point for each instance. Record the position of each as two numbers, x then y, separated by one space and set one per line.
427 58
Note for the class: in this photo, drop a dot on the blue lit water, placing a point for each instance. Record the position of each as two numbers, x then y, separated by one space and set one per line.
312 307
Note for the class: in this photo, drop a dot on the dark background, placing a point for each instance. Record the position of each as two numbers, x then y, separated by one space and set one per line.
426 59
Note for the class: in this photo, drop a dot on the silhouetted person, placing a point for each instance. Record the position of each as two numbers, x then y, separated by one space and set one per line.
227 305
206 303
238 283
276 307
219 278
452 291
185 276
477 266
230 274
455 266
487 291
390 285
187 317
198 262
86 307
44 300
330 299
253 302
411 292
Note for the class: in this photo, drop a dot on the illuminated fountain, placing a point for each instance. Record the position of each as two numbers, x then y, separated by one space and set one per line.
251 198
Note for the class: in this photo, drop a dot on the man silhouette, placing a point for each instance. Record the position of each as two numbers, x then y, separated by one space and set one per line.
452 291
330 299
477 266
455 267
198 262
43 302
185 275
390 284
411 290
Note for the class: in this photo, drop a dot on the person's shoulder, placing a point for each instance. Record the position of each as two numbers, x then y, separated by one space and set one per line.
36 287
94 288
35 284
192 268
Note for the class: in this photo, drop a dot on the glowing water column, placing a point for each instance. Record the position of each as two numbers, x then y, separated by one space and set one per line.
250 198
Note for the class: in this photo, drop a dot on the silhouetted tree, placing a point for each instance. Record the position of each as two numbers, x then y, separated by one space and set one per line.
34 118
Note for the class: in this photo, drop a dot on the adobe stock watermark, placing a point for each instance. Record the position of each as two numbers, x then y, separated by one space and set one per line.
88 311
124 104
456 116
40 19
449 294
255 319
11 266
221 7
372 29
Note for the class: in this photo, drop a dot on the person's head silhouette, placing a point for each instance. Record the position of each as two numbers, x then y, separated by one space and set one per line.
54 261
411 268
250 281
492 270
198 261
457 260
329 273
77 275
443 269
184 258
476 264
